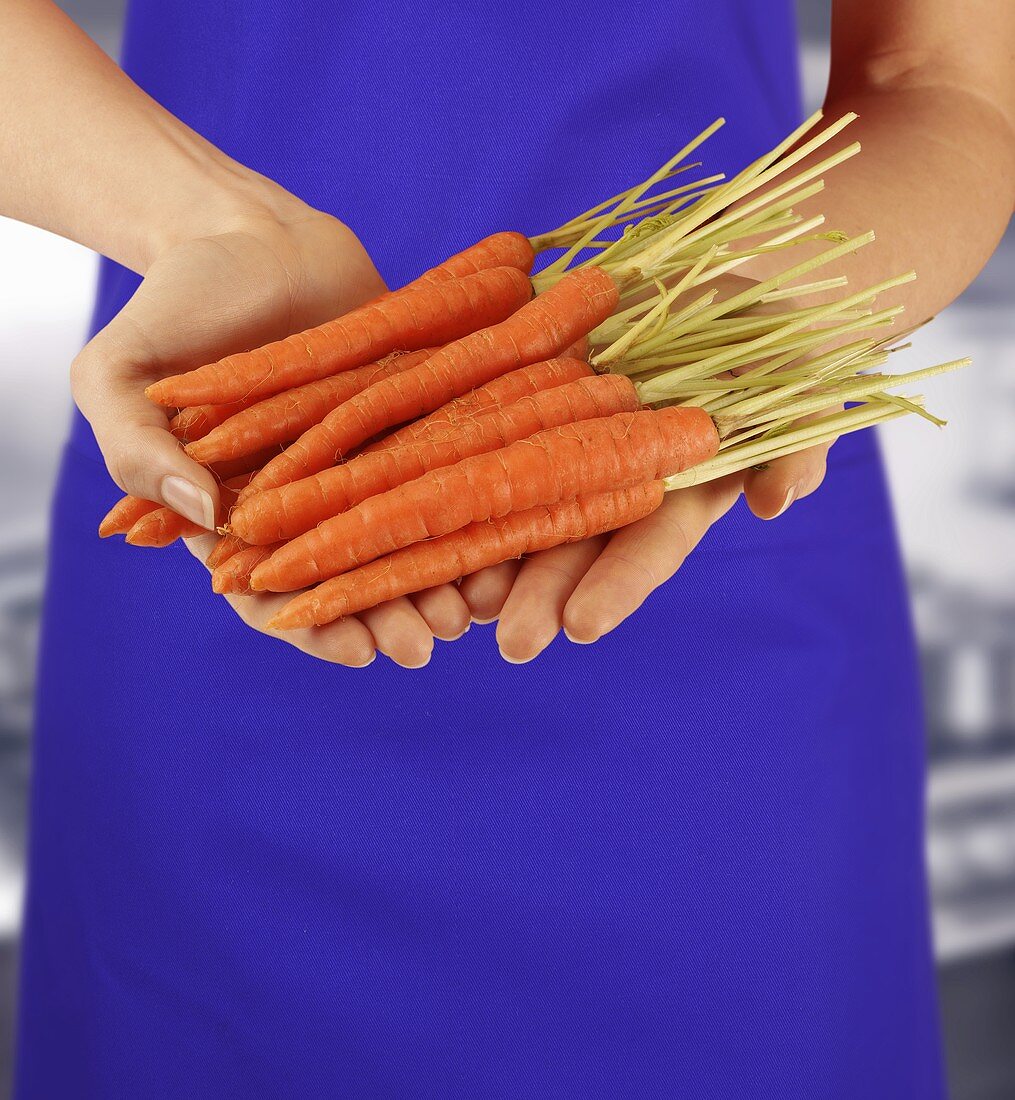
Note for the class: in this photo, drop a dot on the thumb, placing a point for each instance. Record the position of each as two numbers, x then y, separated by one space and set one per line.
140 453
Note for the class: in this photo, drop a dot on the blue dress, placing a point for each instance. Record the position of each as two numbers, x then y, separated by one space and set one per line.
683 862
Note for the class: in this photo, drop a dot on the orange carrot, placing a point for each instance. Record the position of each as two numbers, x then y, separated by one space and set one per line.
504 390
124 514
223 550
541 329
293 509
128 510
578 350
427 564
164 526
237 467
196 421
507 249
285 416
613 452
417 317
233 575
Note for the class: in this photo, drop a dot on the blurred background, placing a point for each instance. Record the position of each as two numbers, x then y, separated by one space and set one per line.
955 499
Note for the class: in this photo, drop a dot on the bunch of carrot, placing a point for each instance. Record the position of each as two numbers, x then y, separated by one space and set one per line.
459 422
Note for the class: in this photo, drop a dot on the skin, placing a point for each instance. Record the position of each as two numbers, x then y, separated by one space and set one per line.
232 260
934 84
229 260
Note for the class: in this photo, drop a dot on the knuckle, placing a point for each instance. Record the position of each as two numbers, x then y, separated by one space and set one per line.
633 572
79 375
567 560
680 539
551 570
90 370
133 455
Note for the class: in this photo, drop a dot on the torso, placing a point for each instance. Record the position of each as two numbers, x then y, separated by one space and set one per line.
682 862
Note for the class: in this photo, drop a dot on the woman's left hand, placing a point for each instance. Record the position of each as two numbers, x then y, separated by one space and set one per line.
589 588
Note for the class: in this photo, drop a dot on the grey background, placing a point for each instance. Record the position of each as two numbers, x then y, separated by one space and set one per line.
955 503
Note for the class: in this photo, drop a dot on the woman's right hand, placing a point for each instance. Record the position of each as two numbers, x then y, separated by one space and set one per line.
260 278
230 259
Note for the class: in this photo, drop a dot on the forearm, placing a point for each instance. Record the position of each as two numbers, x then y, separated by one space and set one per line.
934 180
88 155
933 82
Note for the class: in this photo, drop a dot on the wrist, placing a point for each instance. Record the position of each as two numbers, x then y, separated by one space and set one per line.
221 196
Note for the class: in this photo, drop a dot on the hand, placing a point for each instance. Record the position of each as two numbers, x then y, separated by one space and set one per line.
402 629
589 588
257 280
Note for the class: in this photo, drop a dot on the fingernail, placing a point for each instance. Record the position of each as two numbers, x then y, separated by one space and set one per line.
515 660
422 663
186 498
457 636
790 497
483 622
368 663
579 641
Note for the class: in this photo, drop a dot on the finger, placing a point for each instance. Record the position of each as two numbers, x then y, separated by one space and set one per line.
444 611
400 632
534 610
141 455
640 557
486 591
346 642
773 488
201 547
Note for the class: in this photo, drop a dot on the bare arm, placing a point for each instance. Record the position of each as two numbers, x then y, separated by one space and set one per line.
933 82
88 155
230 259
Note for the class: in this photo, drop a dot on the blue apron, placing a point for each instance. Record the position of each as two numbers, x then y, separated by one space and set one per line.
683 862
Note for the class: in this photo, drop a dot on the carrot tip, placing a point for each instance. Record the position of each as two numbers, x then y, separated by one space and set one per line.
156 393
258 577
291 618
